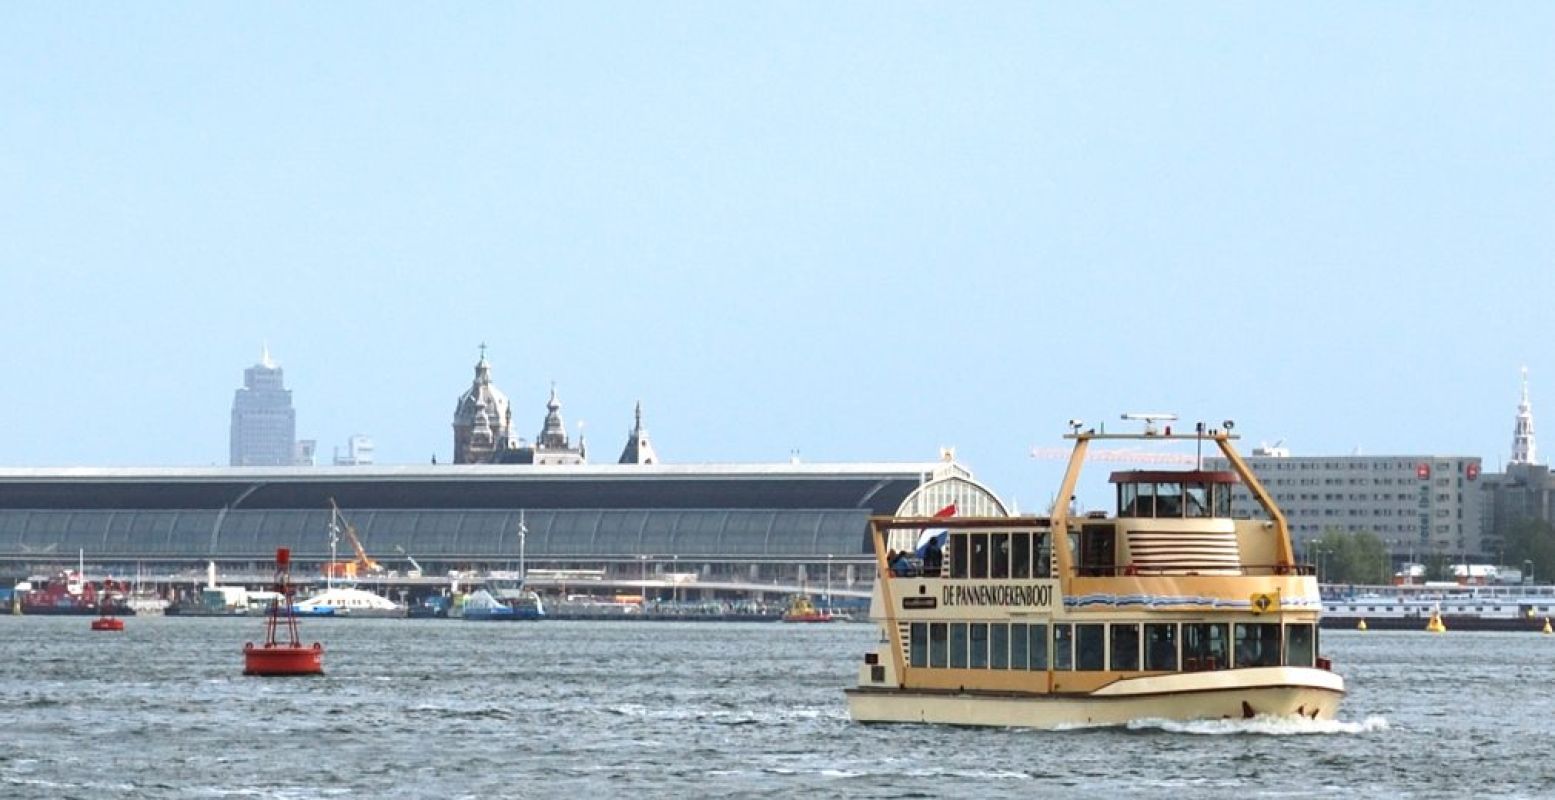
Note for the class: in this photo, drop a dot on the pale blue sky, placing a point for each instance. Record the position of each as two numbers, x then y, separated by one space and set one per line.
862 231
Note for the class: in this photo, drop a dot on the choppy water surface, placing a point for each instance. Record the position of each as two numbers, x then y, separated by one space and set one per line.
449 709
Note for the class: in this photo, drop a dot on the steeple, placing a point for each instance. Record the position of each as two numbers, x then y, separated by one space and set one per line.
1523 448
638 449
553 435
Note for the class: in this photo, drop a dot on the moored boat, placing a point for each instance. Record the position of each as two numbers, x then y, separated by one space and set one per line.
68 593
1166 609
345 601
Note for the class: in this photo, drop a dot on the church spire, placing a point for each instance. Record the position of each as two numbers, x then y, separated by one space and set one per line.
638 449
1523 448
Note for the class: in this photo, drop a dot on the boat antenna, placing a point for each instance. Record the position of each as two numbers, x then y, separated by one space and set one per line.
1198 443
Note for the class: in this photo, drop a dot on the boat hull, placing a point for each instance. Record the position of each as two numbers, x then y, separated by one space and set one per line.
1233 694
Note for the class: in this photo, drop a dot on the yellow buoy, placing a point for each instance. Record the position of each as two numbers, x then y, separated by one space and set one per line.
1547 628
1361 626
1436 625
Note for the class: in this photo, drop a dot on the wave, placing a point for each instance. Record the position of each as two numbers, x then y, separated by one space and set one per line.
1263 726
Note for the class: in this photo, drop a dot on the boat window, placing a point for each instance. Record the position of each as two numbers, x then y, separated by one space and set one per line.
1098 550
1020 554
1038 649
958 645
1222 495
1042 556
999 547
1161 646
1090 647
1063 647
1017 646
958 548
1125 647
1143 504
1197 497
938 633
979 555
1128 493
1168 500
979 641
918 644
1257 645
1204 646
1299 646
999 646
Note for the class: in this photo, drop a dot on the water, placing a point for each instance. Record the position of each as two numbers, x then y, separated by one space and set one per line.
447 709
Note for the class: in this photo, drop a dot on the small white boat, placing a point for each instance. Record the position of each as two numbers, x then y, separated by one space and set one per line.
342 601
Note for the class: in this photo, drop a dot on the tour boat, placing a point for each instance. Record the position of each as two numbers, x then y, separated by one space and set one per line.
1168 609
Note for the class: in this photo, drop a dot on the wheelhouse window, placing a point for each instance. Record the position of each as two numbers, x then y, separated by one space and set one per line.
1300 645
1161 647
1205 646
1090 647
1257 644
1168 500
1125 647
1196 500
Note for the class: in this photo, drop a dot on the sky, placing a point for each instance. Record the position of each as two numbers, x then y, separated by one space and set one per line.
851 231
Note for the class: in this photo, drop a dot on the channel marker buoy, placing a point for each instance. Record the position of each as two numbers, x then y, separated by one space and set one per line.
1547 628
1435 625
1361 626
291 657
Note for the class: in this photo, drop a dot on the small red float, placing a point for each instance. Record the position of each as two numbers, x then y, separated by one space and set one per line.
107 623
282 658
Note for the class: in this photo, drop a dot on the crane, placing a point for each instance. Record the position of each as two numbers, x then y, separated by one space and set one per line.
412 559
363 562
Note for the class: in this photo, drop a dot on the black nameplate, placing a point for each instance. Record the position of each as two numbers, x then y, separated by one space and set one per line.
920 602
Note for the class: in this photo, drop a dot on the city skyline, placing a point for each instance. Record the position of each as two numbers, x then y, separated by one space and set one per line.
857 233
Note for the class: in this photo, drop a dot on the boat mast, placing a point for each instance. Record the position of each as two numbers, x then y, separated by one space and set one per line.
523 536
334 540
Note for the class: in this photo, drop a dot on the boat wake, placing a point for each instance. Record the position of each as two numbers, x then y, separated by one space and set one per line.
1263 726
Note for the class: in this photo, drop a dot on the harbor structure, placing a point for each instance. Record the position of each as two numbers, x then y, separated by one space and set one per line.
732 524
264 424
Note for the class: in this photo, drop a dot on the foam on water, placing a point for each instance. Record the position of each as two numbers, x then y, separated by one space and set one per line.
1263 726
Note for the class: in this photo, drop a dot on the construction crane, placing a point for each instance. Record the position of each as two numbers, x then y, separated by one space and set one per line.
362 562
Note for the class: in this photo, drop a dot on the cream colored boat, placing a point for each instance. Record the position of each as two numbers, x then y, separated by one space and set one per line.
1169 609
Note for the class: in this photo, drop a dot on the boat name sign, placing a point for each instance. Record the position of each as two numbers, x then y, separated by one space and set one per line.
1012 594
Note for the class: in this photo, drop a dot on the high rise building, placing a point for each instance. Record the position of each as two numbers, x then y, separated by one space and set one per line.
264 425
1418 505
359 452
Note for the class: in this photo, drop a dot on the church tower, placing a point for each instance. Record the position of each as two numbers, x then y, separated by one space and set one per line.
551 446
1523 449
483 421
638 449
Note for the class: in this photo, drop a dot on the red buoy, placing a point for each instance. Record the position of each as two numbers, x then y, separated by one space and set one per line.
289 657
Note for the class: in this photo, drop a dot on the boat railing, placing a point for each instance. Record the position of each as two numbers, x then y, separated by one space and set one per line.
1192 568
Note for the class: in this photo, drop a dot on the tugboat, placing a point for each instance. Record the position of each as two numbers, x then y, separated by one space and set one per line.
801 609
1167 609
